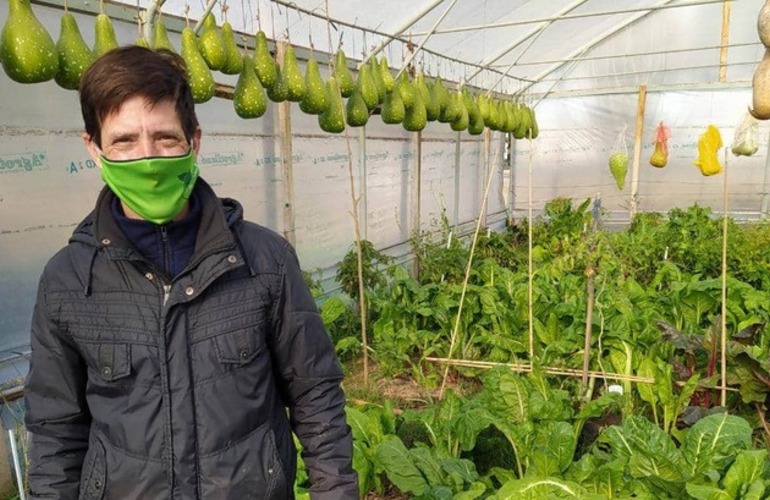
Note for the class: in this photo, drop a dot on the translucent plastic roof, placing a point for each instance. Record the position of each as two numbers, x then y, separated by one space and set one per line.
553 47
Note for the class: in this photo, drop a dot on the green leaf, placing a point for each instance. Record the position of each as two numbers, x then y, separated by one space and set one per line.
401 471
749 466
541 488
332 309
756 491
514 394
474 491
597 407
713 442
650 451
429 466
707 492
552 450
364 467
359 423
460 468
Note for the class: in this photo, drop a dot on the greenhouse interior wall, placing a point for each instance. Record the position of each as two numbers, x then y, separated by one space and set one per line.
48 183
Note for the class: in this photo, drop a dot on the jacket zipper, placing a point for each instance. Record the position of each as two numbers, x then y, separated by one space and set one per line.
164 243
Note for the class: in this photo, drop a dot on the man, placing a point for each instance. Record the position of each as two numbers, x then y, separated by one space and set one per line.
170 336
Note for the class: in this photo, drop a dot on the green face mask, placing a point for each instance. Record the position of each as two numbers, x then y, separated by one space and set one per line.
155 188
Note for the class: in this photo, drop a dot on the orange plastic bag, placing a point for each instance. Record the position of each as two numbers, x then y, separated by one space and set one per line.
708 146
659 157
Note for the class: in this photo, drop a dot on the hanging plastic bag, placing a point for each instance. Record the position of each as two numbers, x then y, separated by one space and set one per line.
746 140
619 159
659 157
708 146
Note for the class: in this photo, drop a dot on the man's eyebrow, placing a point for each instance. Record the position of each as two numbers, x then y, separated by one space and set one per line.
120 135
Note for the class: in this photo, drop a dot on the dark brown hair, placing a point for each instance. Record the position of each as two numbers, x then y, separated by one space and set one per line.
131 71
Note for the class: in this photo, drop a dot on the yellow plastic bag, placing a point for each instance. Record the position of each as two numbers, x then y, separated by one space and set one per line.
708 146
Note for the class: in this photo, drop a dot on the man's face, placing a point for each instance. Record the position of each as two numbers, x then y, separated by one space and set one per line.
140 130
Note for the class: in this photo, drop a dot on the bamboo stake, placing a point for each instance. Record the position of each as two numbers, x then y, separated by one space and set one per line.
567 372
725 40
724 289
589 323
637 149
530 315
465 279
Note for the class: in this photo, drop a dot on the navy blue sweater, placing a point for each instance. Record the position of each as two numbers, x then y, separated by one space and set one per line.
168 247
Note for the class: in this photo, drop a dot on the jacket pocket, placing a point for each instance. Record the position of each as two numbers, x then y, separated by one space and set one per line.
110 360
93 476
250 469
241 347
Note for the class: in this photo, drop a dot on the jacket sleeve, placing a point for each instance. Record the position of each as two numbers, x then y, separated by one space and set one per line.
310 377
56 415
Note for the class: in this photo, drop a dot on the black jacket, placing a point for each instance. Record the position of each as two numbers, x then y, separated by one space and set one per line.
141 388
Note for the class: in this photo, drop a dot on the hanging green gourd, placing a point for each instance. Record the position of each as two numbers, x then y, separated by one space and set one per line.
74 55
343 75
483 104
432 106
356 112
333 119
234 59
104 36
442 94
264 64
460 122
211 45
393 110
249 98
452 112
415 118
279 92
376 75
198 73
160 38
366 87
295 82
316 99
406 89
387 78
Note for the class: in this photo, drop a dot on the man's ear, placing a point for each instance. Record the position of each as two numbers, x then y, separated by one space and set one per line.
196 141
92 149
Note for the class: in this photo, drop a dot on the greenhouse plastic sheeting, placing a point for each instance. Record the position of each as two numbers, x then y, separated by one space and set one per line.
48 183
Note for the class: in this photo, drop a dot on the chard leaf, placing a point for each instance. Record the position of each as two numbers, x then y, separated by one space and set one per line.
539 488
429 466
401 471
332 309
649 450
597 407
359 423
749 466
474 491
756 491
552 450
514 393
647 392
460 468
707 492
713 442
363 466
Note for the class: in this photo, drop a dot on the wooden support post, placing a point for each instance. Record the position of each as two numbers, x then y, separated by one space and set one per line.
456 213
511 175
363 212
637 149
725 40
416 196
724 291
287 166
487 173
